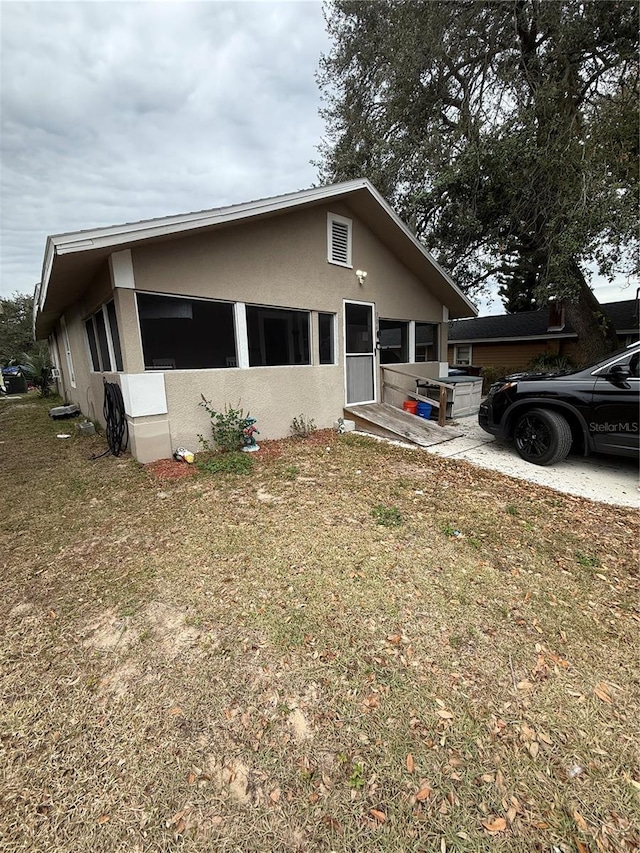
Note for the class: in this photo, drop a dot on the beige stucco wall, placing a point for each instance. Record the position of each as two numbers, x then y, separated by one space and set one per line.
279 261
282 261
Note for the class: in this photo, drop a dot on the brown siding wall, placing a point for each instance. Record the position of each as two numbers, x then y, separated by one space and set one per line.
513 355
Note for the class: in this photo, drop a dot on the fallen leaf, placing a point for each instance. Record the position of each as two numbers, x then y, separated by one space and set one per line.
511 814
580 821
175 711
445 715
580 847
274 796
493 826
104 818
602 692
332 823
424 793
525 684
534 748
410 763
378 815
191 779
545 738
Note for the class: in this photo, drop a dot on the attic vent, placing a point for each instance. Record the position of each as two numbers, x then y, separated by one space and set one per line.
339 240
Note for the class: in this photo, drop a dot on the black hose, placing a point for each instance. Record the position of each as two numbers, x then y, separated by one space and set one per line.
117 430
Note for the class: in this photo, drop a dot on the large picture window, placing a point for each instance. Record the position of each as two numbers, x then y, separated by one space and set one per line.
277 336
186 334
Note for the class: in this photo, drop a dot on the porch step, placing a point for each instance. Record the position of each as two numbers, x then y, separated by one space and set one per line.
390 422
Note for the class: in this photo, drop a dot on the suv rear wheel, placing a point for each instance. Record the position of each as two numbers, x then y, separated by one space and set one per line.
542 437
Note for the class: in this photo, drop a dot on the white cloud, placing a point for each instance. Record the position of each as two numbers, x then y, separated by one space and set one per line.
113 112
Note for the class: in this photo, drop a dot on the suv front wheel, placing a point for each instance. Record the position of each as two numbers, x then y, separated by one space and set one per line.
542 437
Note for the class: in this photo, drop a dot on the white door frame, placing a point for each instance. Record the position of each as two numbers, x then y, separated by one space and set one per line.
373 353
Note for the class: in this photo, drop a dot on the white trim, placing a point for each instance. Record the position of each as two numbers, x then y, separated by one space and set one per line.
374 345
67 348
412 342
121 269
445 314
242 335
107 326
348 223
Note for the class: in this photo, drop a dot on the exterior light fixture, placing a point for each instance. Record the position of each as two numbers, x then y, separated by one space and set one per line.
361 275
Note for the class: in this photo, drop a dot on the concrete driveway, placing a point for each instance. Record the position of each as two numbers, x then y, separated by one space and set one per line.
609 479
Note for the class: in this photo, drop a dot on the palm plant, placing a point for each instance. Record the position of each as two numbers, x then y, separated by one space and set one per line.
38 367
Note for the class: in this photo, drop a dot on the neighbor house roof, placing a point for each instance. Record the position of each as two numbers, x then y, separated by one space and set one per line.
72 260
535 325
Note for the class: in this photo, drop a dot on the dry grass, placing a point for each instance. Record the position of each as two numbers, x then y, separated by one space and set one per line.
354 647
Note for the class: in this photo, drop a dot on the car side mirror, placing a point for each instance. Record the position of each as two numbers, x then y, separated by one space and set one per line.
619 373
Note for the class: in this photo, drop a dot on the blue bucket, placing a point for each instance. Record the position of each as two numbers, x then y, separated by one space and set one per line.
424 410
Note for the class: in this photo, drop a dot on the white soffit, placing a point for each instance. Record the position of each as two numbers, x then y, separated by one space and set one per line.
143 394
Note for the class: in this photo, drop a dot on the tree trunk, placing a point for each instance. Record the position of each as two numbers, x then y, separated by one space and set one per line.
596 333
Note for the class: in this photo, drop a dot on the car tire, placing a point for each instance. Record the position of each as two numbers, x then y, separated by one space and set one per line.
542 437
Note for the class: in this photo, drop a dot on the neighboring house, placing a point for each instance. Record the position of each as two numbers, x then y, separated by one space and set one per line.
275 305
513 340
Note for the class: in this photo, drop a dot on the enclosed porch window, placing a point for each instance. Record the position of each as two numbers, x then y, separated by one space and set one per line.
184 334
427 337
394 341
277 336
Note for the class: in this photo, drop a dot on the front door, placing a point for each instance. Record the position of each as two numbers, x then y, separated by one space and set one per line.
360 352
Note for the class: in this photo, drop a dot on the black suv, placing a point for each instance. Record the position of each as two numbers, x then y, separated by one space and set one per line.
594 409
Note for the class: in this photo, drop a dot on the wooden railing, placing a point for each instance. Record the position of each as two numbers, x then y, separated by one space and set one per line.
440 404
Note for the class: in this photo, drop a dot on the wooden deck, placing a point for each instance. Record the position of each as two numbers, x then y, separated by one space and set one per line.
390 422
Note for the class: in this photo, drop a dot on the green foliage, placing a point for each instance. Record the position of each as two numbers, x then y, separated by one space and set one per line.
506 135
387 516
234 462
38 367
227 427
356 781
302 427
16 328
547 363
587 561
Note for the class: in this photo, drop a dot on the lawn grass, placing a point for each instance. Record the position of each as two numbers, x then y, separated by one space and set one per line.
353 647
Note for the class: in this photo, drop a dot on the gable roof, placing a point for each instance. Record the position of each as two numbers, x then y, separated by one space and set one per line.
535 324
71 260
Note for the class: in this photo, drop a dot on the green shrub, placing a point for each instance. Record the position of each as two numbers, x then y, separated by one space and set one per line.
226 427
302 427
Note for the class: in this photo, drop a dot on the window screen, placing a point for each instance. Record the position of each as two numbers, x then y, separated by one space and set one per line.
103 346
115 334
427 336
277 336
326 338
93 345
186 333
394 341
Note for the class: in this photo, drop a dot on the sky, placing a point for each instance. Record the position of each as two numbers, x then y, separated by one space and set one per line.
113 112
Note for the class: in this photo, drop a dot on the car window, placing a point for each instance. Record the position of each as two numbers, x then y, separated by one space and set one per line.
630 360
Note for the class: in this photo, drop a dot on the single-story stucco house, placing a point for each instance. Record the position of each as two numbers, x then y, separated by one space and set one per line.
275 304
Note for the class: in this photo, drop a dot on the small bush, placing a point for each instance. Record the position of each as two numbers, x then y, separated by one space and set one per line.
302 427
387 516
491 374
235 462
547 363
227 428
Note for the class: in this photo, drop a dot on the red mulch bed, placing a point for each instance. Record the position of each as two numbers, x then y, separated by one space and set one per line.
169 469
